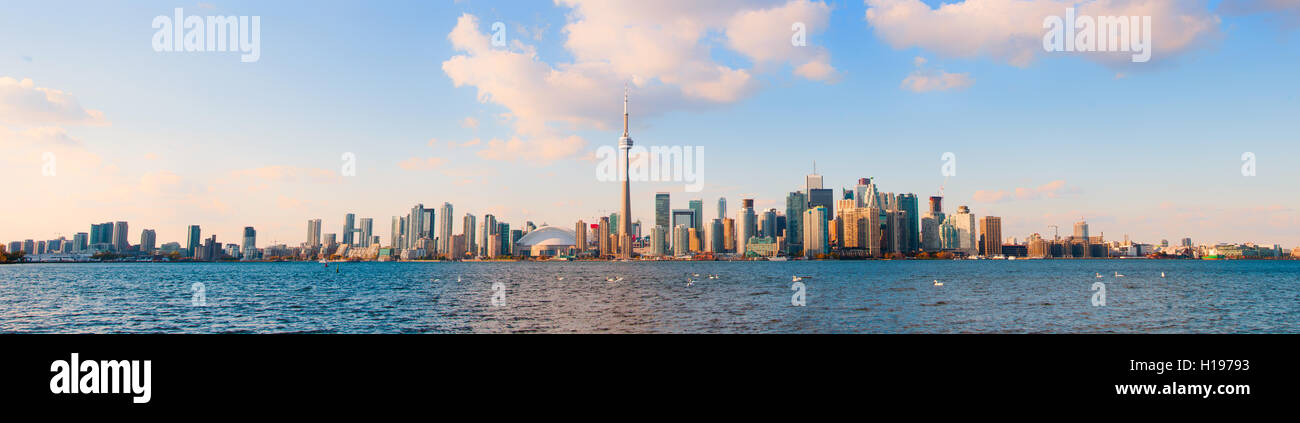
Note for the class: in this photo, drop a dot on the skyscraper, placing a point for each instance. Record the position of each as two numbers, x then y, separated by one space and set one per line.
816 235
746 224
580 236
366 231
967 233
769 224
908 204
192 240
698 207
250 244
795 204
1081 230
444 231
931 239
467 227
715 236
991 227
662 210
722 208
119 237
605 250
313 233
349 226
148 240
812 182
822 197
625 223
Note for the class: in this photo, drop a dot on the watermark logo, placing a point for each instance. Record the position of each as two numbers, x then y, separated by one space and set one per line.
949 167
800 297
1248 164
48 167
1099 34
800 36
200 295
498 34
102 377
657 164
349 164
241 34
498 294
1099 294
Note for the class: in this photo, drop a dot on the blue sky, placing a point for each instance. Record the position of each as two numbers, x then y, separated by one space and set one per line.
1151 150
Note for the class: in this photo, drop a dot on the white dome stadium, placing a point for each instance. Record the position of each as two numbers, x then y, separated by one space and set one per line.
548 241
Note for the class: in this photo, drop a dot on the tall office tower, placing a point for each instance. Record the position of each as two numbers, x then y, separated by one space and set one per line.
349 226
769 223
192 239
991 227
698 207
909 204
503 229
936 205
458 246
613 229
930 241
681 240
250 244
625 224
29 246
148 240
729 234
722 207
746 225
444 231
822 197
415 226
949 235
1081 230
119 237
812 181
896 232
684 217
313 233
860 194
715 236
695 242
657 244
366 232
97 234
816 235
604 237
662 211
967 233
580 236
467 227
80 241
1187 242
395 236
795 204
488 229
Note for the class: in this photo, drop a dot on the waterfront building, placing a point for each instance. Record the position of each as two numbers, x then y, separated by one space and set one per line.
795 205
816 236
349 228
991 227
662 210
250 244
192 240
444 232
313 233
746 225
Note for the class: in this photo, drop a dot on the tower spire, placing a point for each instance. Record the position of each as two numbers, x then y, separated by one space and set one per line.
624 110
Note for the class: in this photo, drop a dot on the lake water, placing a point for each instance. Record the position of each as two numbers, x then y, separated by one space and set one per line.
748 297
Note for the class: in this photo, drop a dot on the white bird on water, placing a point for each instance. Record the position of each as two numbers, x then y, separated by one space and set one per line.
1162 274
937 283
559 278
795 278
1099 276
1118 275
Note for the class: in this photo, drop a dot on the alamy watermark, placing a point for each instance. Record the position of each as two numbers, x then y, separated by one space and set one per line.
206 34
656 164
1099 34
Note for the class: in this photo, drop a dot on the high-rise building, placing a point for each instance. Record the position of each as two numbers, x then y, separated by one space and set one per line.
746 224
486 231
250 244
729 234
795 204
715 239
366 231
967 233
119 237
909 204
148 240
395 235
80 241
683 217
769 224
192 240
991 227
698 207
605 247
1081 230
681 239
822 197
313 233
816 235
467 227
722 208
444 231
657 244
349 227
580 236
812 181
662 210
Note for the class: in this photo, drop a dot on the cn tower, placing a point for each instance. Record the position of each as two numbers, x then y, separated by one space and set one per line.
625 218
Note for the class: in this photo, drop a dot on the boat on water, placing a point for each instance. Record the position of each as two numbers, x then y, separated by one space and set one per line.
777 259
1213 257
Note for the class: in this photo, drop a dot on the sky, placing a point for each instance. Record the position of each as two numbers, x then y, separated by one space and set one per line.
432 112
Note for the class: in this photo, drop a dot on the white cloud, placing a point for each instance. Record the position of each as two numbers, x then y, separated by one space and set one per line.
469 122
24 103
421 163
1054 189
1012 30
662 48
926 80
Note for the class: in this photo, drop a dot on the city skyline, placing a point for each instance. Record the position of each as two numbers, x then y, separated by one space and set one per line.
130 149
